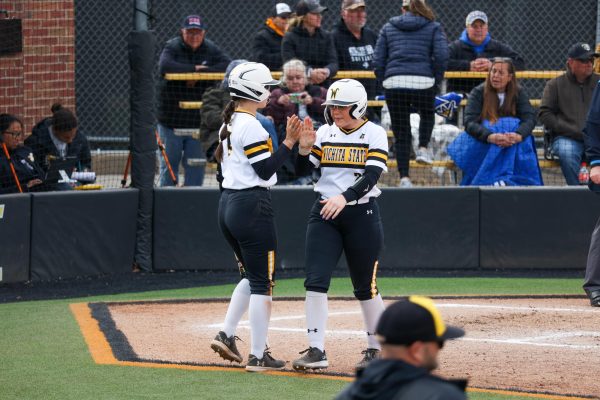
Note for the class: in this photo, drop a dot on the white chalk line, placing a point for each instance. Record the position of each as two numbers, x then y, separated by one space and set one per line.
531 341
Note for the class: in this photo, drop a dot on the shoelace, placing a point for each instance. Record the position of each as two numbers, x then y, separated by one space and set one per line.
306 350
267 353
370 353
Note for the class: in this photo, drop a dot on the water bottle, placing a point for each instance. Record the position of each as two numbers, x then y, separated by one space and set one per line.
584 174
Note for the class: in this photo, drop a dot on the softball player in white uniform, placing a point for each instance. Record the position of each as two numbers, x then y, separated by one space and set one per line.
248 167
352 153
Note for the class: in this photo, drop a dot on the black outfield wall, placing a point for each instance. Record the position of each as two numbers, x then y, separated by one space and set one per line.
15 224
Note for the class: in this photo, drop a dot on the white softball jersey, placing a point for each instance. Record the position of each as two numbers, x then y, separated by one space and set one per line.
343 156
248 143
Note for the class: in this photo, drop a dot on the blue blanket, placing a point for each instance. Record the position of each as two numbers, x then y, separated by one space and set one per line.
486 164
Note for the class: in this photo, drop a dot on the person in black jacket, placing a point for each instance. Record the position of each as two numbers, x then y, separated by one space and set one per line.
355 42
266 48
306 41
190 51
26 170
57 138
473 51
411 334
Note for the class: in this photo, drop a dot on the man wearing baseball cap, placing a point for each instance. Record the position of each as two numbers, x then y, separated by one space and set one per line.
189 51
473 51
565 104
411 334
267 41
355 42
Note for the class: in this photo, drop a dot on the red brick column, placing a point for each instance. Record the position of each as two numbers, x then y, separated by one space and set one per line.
44 72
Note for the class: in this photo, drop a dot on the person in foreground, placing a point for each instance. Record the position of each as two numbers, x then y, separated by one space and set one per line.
248 167
591 138
411 333
351 153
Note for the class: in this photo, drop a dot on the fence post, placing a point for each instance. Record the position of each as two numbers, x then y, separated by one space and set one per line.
140 15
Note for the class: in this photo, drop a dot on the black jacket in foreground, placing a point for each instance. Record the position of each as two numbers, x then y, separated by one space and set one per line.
356 54
461 55
179 57
473 126
591 132
42 146
397 380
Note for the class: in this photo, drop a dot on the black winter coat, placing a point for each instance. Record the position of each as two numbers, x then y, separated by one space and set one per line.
266 48
179 57
461 55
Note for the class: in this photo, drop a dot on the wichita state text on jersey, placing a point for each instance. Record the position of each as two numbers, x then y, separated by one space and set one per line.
343 156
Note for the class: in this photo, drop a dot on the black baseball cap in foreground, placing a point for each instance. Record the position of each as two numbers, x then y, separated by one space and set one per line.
581 51
412 320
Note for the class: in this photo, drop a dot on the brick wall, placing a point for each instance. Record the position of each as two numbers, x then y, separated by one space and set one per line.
44 72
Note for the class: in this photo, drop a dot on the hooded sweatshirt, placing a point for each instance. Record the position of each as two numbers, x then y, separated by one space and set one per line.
397 380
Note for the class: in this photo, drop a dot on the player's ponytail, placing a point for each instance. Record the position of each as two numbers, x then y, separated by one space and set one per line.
225 132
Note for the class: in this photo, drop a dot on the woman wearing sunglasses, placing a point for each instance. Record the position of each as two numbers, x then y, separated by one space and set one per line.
19 172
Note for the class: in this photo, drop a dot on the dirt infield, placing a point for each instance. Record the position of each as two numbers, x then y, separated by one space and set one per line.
535 345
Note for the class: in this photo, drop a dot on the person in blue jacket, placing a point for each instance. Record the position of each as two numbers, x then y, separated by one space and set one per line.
411 55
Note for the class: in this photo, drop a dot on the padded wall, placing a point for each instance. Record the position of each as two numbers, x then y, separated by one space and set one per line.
430 228
537 227
15 223
82 233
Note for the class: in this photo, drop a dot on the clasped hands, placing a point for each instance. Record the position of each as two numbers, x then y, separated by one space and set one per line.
505 139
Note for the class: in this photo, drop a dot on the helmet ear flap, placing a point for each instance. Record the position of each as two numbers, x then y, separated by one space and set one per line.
352 111
328 117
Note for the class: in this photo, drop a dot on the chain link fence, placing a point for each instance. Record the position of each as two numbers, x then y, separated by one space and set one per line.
540 30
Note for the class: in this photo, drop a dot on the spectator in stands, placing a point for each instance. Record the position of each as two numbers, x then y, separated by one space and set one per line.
305 40
214 101
355 42
296 97
473 51
267 42
190 51
412 334
26 170
411 82
56 138
498 148
565 104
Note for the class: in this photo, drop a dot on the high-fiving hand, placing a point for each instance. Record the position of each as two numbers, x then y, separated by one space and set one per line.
308 136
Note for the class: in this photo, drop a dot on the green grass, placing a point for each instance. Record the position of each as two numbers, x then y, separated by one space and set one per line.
44 356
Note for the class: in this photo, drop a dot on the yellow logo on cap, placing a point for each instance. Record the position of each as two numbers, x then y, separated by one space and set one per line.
334 93
428 304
